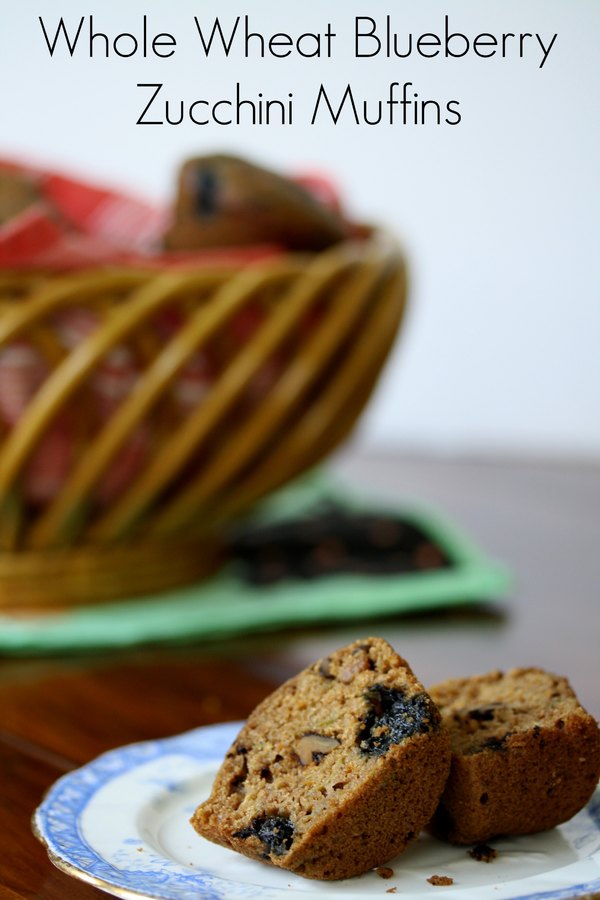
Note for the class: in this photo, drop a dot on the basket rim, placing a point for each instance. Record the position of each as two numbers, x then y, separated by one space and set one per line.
222 260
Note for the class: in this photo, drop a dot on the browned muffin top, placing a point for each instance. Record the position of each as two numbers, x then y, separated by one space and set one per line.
484 710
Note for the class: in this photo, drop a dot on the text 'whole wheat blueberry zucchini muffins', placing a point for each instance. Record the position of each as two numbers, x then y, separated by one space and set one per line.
334 773
525 754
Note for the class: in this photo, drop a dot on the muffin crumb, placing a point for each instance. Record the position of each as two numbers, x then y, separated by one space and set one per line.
483 853
384 872
440 880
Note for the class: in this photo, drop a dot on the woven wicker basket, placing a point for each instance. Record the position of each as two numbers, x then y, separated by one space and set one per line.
274 404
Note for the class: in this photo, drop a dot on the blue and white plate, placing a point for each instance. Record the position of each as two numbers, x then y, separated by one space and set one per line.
121 823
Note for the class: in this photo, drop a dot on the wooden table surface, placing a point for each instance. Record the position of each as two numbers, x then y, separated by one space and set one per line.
543 520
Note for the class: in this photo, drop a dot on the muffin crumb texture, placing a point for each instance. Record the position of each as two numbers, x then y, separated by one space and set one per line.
336 772
525 755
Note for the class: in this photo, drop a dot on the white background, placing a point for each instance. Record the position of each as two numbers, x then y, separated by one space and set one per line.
500 215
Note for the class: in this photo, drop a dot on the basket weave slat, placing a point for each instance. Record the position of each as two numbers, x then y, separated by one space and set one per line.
204 420
324 425
276 403
326 422
55 526
261 429
48 297
68 377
